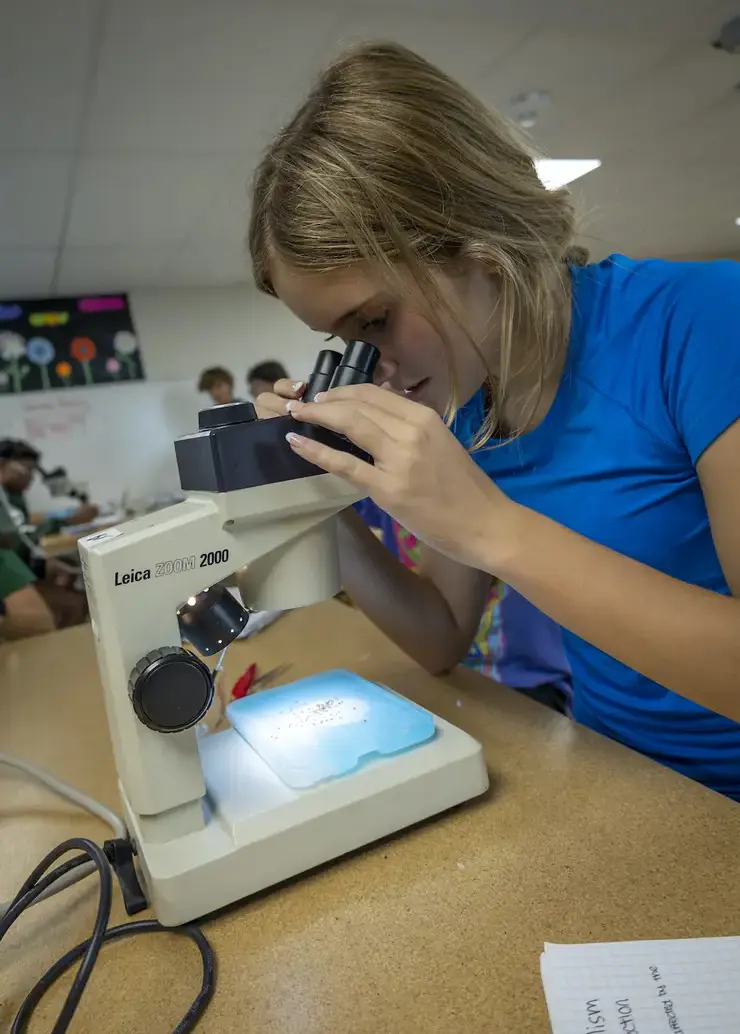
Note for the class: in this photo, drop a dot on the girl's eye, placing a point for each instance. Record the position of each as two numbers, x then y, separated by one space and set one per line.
377 324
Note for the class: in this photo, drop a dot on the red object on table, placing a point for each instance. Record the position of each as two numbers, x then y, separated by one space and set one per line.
244 683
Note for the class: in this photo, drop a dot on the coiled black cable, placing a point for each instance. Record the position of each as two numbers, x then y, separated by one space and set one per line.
89 950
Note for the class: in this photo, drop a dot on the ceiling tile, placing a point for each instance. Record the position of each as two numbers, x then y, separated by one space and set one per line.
463 47
33 189
197 77
683 86
581 72
206 266
633 20
45 57
123 200
111 268
224 221
25 273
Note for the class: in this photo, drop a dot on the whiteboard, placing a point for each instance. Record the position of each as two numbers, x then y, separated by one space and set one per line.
117 438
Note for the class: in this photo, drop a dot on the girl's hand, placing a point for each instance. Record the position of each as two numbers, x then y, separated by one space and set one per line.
272 403
422 476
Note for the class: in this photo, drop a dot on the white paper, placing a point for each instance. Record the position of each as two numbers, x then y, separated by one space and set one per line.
644 987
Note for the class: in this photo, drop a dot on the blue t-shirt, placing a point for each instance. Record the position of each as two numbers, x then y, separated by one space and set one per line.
652 378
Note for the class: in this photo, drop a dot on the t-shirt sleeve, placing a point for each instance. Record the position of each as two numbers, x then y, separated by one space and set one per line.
14 574
701 355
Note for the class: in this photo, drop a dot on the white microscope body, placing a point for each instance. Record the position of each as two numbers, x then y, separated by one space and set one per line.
211 822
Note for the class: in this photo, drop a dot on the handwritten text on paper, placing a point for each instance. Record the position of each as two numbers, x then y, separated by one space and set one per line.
618 1016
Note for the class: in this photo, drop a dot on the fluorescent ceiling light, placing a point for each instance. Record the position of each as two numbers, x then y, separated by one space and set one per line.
737 221
556 172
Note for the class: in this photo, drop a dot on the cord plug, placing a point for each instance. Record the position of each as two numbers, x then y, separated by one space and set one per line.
120 854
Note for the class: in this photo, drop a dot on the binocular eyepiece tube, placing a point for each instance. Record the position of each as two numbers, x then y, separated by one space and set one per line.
334 370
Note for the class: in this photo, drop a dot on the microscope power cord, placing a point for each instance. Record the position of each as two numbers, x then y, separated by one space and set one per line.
82 800
39 882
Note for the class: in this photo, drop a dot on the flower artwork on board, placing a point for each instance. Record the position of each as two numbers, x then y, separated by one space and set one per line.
41 352
63 371
84 351
12 352
49 344
126 346
48 319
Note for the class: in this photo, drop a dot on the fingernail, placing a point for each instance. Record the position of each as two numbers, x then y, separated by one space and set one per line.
292 405
298 385
295 441
320 397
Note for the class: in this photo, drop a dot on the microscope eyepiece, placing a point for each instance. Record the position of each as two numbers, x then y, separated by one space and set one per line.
327 362
357 366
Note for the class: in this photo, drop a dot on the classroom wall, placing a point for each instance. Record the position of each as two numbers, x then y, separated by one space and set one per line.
119 437
182 331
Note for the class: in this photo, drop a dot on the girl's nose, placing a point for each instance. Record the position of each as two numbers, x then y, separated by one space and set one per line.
385 370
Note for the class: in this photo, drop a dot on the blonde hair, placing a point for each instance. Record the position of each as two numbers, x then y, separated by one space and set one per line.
391 162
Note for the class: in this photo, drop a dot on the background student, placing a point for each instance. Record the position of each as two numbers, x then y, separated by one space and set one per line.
19 465
219 384
263 376
23 611
58 580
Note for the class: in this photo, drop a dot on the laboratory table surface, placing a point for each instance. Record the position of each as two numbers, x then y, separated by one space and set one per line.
438 930
65 541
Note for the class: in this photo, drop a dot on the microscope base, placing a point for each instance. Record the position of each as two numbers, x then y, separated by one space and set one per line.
259 832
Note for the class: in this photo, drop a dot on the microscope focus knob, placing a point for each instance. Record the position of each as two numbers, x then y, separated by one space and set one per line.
171 689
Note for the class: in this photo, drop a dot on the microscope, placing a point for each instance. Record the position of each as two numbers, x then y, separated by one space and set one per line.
215 818
59 484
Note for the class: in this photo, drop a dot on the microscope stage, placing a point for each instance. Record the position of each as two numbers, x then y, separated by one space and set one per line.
259 831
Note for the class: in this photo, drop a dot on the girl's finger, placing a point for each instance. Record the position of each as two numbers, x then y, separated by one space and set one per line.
376 396
343 464
289 389
371 429
268 405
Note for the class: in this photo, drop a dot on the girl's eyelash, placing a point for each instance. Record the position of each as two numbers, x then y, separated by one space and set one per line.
376 324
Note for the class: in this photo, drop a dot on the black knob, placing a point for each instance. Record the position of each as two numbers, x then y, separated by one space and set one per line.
171 689
222 416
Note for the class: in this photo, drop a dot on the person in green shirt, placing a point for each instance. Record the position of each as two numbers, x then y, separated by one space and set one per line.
57 577
19 464
23 611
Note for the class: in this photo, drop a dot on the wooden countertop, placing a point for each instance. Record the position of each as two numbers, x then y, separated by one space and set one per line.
62 542
66 542
437 931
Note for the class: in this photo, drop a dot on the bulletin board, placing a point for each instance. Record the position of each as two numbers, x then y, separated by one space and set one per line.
67 342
